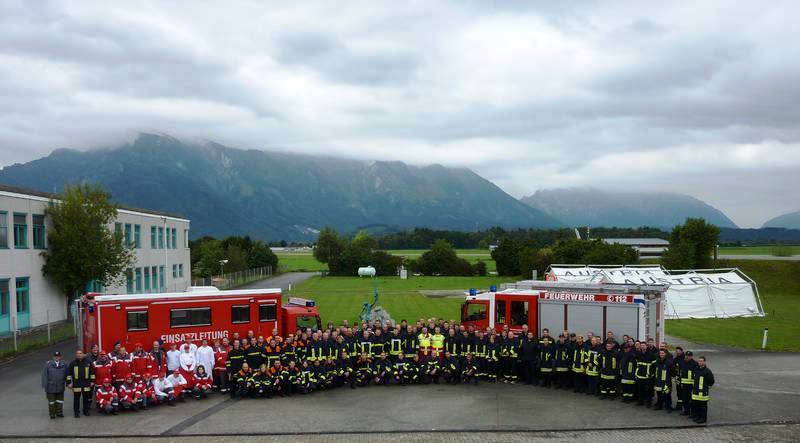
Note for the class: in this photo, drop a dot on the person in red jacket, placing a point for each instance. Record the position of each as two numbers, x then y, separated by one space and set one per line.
158 361
122 367
144 386
220 371
103 367
202 383
106 397
141 362
129 397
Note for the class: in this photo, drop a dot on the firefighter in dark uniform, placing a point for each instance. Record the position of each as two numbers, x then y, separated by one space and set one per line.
530 356
579 365
609 371
395 344
236 357
80 378
645 360
701 385
688 370
562 362
255 355
627 376
677 362
481 349
546 361
593 367
452 345
664 371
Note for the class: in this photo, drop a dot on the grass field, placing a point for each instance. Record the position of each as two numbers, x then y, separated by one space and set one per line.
756 250
341 298
306 261
779 286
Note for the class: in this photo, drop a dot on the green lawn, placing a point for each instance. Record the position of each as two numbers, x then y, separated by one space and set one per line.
779 285
756 250
341 298
300 262
307 262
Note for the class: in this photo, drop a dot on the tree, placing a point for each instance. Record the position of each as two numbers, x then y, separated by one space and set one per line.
691 245
261 256
209 256
237 259
81 247
329 245
442 259
531 259
506 256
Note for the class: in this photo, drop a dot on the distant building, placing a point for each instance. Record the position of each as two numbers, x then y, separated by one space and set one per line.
647 247
160 242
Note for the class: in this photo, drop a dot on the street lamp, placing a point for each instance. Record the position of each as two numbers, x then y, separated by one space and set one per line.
222 268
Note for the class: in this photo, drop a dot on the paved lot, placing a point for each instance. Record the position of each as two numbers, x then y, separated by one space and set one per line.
281 281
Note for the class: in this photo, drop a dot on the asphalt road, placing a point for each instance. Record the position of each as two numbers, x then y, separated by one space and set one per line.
758 257
281 281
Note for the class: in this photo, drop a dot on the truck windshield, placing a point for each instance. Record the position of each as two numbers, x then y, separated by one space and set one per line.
473 311
308 322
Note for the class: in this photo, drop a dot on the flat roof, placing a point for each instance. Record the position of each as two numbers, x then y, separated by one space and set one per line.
193 294
25 192
637 241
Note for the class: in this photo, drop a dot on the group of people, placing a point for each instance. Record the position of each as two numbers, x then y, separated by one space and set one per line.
371 353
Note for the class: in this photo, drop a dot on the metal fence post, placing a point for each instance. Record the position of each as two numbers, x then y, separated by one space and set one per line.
47 319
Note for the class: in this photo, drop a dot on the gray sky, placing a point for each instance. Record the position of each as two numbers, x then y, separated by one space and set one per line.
695 97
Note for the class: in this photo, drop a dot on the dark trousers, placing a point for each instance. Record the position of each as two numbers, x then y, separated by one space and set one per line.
56 403
579 382
592 384
686 390
76 401
628 391
530 372
221 380
608 387
546 378
562 378
700 410
644 389
664 399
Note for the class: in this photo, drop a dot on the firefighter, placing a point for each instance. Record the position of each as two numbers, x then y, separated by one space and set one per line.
280 379
530 357
562 362
546 362
54 376
106 397
492 358
578 366
345 370
80 379
366 344
202 382
254 355
130 399
429 369
677 363
306 380
510 367
331 372
272 353
289 350
233 364
395 344
378 342
645 362
383 370
609 371
242 381
627 377
292 372
703 380
465 346
424 341
469 370
400 370
450 368
262 382
437 342
687 373
411 345
664 370
364 369
480 345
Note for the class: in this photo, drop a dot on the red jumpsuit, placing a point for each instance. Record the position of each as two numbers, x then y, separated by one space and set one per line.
141 364
122 369
106 397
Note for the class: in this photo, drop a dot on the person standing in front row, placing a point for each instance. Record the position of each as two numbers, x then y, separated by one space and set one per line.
80 378
703 381
54 378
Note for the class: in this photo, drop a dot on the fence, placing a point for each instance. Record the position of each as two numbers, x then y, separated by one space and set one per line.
35 330
235 279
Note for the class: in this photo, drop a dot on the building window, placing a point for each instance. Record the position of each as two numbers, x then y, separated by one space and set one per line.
153 238
268 312
174 271
39 236
23 298
186 238
5 300
118 228
155 278
137 236
128 235
180 270
20 230
146 279
190 317
162 278
138 281
174 238
160 238
240 314
129 281
137 320
3 230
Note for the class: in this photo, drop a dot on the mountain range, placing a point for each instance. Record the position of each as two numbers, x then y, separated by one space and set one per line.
789 221
272 195
595 207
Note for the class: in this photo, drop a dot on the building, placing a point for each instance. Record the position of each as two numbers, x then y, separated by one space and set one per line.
647 247
28 299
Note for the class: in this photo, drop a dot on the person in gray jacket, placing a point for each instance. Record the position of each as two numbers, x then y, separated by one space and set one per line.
54 376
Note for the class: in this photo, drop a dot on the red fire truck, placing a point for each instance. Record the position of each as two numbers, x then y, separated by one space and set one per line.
636 310
204 313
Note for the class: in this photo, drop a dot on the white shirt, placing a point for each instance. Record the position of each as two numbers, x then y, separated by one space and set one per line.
205 356
159 386
176 380
173 359
187 361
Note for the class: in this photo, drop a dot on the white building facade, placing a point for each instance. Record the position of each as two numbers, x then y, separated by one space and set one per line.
28 299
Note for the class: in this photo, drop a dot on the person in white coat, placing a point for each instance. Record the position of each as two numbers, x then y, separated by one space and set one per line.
204 356
188 365
173 358
178 382
164 390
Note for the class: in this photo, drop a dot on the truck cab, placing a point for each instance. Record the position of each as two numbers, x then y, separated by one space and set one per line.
299 313
497 309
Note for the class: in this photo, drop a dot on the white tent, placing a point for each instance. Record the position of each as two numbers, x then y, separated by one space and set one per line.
702 293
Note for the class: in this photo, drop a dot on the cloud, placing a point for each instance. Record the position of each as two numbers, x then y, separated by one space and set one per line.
530 95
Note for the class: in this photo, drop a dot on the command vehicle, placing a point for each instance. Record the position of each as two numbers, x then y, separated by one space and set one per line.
202 313
635 310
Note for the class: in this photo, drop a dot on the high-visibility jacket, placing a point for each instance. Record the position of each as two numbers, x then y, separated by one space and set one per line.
609 365
378 342
452 345
80 374
546 357
628 366
578 359
202 381
235 360
467 346
663 376
424 342
315 351
395 345
492 351
105 395
272 354
703 380
437 342
366 347
411 345
644 365
562 357
480 347
593 362
128 393
688 370
141 364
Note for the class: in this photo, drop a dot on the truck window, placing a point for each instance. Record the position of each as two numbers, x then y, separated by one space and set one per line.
519 313
240 314
137 320
500 312
267 312
475 311
189 317
307 323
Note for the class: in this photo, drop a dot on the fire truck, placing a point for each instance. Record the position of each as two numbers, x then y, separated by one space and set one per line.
635 310
202 313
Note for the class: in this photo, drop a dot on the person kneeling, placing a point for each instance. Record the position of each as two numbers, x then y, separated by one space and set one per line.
106 397
163 390
178 385
469 371
202 383
129 397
